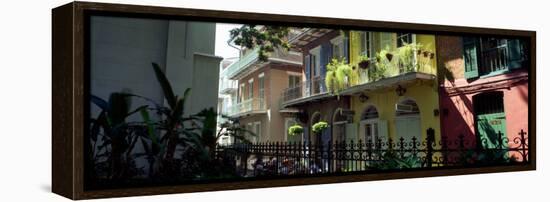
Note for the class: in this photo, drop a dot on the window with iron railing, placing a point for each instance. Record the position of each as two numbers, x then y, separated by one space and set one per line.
403 38
492 56
366 44
261 90
294 80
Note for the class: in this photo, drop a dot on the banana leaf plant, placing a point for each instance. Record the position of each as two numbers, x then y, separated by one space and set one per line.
196 132
114 138
174 114
117 140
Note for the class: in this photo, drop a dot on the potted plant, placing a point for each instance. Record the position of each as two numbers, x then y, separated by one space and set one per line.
318 127
295 130
389 56
364 62
340 75
380 66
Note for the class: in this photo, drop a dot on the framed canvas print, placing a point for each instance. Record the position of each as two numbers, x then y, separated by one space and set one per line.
156 100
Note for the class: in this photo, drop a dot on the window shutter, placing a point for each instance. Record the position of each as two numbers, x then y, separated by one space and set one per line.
515 57
351 132
326 54
326 137
346 49
307 71
471 63
383 130
306 135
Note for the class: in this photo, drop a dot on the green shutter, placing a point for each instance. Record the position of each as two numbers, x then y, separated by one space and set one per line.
515 57
471 63
488 126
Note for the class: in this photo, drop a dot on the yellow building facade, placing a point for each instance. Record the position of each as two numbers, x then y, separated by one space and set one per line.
399 102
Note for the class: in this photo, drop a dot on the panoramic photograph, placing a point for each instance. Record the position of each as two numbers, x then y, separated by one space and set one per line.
175 102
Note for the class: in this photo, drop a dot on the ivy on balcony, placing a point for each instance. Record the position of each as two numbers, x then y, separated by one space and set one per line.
410 57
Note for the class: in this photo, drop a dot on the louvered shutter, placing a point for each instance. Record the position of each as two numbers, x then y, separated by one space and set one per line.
515 57
471 62
308 74
346 49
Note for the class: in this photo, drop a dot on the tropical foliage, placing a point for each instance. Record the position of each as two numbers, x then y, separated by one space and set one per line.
392 161
267 38
174 145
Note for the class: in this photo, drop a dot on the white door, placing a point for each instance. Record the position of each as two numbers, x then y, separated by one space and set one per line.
370 132
339 132
408 126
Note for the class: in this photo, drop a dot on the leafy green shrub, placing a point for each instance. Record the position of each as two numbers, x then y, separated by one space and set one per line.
295 130
319 127
392 161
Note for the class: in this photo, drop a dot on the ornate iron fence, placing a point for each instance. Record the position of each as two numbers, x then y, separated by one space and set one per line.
304 158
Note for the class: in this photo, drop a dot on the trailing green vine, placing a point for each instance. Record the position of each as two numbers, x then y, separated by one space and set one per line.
340 75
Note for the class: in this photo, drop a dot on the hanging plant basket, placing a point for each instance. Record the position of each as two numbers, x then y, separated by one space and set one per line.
364 64
295 130
389 56
426 54
318 127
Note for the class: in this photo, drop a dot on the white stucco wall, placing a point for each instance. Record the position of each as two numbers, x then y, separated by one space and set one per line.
122 50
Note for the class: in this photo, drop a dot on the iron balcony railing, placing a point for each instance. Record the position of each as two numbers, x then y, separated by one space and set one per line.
396 63
243 63
248 106
417 61
305 89
227 110
494 59
227 86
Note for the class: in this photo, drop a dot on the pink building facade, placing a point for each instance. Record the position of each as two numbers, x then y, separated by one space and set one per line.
483 90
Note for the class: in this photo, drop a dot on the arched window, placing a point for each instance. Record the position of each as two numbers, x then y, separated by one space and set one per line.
339 121
315 117
370 127
338 116
369 113
406 107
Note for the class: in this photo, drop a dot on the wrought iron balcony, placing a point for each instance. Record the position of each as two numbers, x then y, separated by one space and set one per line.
250 106
250 62
242 64
494 59
228 86
304 90
417 61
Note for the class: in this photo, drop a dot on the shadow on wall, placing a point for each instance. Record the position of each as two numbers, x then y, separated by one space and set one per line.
457 116
448 75
524 92
453 121
491 139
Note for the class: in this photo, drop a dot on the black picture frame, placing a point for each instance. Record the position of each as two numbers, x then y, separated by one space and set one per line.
70 77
